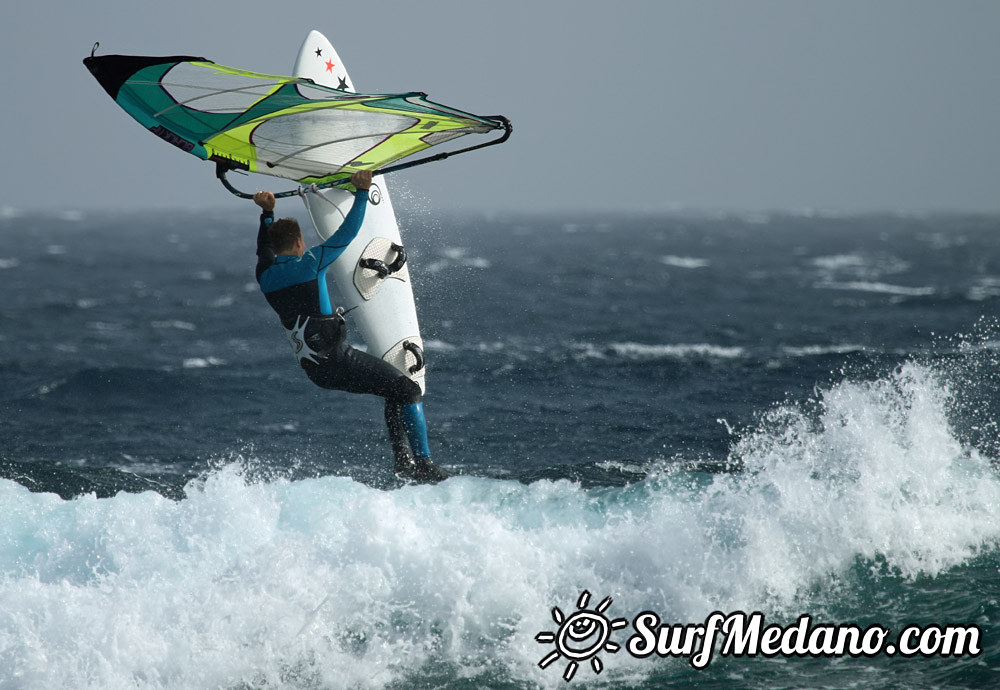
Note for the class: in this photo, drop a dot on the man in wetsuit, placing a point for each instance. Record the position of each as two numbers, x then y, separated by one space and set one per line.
293 279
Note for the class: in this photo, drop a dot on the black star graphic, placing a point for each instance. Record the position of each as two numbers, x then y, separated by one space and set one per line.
319 51
343 84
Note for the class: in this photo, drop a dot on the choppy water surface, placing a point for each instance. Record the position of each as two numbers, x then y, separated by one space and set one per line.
790 414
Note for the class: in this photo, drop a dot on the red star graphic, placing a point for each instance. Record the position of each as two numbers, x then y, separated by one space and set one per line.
329 65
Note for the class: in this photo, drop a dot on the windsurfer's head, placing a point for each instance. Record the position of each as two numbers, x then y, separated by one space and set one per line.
286 237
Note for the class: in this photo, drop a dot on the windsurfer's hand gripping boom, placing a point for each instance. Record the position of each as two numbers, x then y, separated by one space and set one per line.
362 180
265 200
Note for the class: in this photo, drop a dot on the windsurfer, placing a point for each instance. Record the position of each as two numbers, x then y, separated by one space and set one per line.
293 280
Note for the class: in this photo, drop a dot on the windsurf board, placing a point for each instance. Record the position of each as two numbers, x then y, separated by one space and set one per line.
372 275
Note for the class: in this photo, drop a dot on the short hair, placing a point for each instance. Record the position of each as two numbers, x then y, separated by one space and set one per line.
284 233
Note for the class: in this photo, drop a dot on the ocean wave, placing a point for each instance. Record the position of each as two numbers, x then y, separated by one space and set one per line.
859 265
522 350
836 262
822 350
877 287
202 362
880 471
985 287
643 351
262 582
174 323
684 261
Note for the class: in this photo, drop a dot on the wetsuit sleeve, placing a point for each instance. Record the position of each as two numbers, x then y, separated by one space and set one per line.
265 252
337 242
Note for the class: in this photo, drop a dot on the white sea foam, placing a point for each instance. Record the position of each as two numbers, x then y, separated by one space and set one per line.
202 362
684 261
838 262
877 287
180 325
860 266
984 288
329 583
819 350
9 263
675 351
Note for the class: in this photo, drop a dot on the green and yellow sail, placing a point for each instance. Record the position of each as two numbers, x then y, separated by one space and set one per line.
280 126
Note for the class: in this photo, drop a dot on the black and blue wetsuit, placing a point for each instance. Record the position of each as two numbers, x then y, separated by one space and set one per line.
296 289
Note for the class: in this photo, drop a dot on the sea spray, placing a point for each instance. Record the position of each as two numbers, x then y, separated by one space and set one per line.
874 472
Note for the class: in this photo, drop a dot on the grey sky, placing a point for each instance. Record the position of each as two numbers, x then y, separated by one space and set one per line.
846 105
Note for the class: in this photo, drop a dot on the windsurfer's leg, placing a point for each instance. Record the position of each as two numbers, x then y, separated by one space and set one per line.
404 409
405 412
397 435
416 429
352 370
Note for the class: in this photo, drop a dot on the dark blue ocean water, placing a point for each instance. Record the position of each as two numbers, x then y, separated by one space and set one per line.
688 413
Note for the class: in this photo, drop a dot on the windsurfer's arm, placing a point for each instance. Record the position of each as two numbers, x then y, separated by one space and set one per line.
265 252
348 230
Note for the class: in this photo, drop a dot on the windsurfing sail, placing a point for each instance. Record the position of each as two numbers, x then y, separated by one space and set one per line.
282 126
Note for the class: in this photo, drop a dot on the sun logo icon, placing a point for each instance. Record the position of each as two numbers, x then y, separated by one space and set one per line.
581 636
